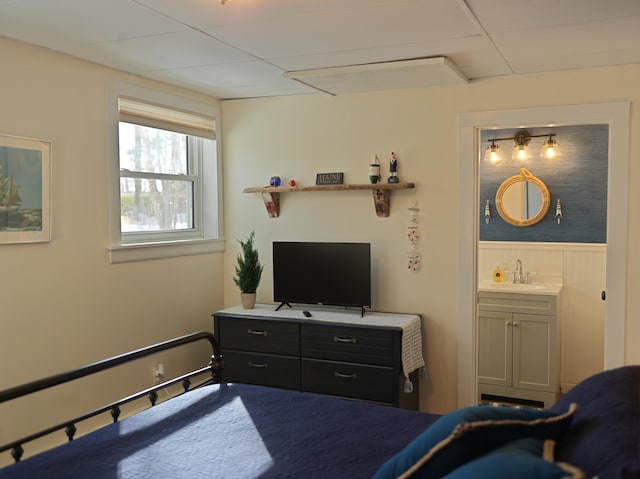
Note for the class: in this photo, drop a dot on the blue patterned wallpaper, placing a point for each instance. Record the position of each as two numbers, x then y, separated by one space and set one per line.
578 178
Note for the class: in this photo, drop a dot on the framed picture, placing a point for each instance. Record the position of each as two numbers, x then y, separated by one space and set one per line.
25 196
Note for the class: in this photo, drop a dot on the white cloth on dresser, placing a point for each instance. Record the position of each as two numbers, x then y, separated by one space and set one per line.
412 346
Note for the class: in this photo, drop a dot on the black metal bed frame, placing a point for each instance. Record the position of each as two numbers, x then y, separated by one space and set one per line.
216 366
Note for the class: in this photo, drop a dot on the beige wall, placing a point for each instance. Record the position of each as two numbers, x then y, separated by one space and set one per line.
297 137
63 303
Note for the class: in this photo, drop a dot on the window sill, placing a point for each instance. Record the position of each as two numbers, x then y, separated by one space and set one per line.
148 251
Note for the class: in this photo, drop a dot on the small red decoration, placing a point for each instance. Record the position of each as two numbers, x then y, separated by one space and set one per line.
292 182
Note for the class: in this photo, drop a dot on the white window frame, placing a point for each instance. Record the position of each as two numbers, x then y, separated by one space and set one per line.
208 238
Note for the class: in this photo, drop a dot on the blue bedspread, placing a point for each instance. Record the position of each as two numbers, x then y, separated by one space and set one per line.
235 431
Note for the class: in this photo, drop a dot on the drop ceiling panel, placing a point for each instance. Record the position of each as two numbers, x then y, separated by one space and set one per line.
570 40
203 14
381 24
520 15
60 23
173 50
467 51
585 60
240 74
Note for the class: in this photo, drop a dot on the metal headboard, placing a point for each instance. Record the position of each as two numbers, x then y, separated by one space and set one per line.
215 367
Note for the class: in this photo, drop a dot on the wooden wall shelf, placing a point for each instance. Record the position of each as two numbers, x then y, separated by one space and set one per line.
381 194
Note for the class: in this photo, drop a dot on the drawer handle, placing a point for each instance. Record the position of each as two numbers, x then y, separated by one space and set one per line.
256 332
258 365
353 376
337 339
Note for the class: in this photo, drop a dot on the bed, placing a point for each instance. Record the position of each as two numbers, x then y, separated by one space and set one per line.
221 430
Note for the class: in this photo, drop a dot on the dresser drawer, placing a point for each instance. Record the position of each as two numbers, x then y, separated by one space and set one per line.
354 345
263 369
359 381
262 336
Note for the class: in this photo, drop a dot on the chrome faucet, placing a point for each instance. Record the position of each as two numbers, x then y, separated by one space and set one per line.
517 276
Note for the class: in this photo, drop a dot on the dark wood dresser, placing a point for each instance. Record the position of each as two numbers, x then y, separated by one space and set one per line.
335 353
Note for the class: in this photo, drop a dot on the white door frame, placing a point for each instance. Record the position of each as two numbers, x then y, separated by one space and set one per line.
616 115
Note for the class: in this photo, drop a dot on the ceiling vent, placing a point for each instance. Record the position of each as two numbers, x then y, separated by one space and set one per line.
413 73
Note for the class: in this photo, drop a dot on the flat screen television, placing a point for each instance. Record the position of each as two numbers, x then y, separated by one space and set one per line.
332 274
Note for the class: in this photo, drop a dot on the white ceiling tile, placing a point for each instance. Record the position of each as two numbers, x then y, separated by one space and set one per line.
56 23
574 61
240 74
570 40
518 15
486 70
463 51
383 23
210 13
252 78
172 50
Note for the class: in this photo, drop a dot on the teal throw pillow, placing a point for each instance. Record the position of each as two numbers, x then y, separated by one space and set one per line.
526 458
467 433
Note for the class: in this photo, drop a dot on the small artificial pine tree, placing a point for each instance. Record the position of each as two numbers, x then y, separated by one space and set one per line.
248 267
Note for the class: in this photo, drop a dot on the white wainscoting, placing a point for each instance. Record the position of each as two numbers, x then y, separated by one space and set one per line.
582 269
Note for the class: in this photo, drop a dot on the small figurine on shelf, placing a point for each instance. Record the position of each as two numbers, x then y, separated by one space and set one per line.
374 170
393 169
275 181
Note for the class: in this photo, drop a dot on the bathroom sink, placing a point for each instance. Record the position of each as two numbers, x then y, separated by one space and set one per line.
536 288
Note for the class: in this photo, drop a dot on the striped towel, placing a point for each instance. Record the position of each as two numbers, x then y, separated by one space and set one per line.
412 346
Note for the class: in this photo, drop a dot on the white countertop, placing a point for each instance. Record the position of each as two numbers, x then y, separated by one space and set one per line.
533 288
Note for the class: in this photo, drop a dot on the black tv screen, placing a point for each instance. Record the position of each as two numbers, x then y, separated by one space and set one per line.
333 274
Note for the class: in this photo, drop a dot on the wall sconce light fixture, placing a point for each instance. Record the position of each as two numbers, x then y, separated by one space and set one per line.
487 213
558 211
492 154
521 151
550 149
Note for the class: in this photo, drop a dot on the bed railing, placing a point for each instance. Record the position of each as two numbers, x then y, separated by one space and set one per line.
215 367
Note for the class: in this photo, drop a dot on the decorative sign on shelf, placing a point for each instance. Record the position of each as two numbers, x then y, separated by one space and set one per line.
329 178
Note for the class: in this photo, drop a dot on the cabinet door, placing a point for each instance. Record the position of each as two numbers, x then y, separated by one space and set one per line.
534 352
494 348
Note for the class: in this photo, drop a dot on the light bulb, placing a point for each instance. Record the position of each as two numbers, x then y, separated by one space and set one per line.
550 149
521 153
492 154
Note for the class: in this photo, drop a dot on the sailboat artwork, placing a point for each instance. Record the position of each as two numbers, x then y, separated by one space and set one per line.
13 217
24 190
9 197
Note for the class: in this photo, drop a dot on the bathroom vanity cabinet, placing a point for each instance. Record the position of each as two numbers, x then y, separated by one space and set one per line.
518 348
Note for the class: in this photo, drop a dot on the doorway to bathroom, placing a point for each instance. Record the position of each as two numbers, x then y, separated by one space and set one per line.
471 125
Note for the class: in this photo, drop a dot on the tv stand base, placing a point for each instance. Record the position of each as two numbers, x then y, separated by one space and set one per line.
282 304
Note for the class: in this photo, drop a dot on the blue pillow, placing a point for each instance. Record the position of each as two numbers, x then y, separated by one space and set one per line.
526 458
467 433
604 440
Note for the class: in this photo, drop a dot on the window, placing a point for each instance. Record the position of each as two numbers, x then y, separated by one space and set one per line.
165 201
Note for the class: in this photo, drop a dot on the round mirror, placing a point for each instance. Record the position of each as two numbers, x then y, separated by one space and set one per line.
523 199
